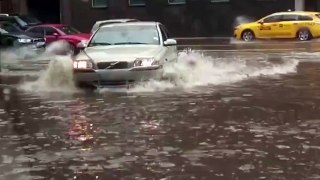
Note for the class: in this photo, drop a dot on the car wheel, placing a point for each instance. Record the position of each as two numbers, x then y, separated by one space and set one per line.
304 35
247 35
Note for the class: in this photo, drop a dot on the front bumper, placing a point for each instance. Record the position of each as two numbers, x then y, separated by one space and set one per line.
117 77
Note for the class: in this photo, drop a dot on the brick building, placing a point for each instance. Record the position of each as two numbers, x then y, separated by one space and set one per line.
182 17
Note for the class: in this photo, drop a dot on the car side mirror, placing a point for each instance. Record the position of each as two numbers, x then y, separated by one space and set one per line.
82 44
170 42
56 34
260 22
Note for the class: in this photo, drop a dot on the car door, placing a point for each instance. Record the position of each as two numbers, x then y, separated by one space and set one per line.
171 54
286 25
269 26
51 34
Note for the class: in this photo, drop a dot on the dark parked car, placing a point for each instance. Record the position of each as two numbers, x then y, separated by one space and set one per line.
22 21
13 37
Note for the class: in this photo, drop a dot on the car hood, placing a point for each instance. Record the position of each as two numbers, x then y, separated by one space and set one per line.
123 52
79 37
26 35
247 24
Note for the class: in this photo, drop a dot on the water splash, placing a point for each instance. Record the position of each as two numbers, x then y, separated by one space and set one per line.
58 77
214 71
242 20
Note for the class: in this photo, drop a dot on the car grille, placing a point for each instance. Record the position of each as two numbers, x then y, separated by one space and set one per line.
113 65
38 40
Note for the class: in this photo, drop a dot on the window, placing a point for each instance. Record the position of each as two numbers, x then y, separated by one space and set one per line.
163 34
289 17
68 30
118 35
9 27
270 19
37 30
176 1
304 18
50 31
165 30
99 3
137 2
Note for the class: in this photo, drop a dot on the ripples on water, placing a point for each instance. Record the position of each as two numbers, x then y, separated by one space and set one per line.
263 128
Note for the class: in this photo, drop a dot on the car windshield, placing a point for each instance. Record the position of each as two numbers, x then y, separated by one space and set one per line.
3 31
29 19
126 34
8 27
68 30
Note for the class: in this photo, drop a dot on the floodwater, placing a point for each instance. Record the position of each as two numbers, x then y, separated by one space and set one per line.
241 116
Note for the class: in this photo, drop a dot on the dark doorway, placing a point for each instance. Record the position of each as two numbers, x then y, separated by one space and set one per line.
46 11
310 5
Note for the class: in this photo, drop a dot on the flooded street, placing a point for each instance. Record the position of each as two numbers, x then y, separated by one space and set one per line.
235 115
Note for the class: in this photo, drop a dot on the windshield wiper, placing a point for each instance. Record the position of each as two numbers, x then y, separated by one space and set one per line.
99 44
128 43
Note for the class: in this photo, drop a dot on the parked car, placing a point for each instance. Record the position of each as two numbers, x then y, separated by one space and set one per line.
110 21
125 53
54 32
301 25
13 37
23 21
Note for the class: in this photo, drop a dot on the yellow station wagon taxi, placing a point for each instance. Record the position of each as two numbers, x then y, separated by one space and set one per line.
301 25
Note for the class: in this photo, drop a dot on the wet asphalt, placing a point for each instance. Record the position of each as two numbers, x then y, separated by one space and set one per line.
259 118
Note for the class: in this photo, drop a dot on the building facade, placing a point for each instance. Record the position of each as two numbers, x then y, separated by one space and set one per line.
182 17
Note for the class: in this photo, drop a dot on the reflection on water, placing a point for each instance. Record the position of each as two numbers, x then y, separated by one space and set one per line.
261 128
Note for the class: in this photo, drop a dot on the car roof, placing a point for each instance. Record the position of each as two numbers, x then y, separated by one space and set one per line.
115 20
297 12
54 25
143 23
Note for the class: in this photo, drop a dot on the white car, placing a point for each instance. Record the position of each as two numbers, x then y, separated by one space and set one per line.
124 53
110 21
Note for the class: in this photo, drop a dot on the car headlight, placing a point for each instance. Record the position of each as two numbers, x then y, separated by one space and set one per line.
24 40
144 62
82 64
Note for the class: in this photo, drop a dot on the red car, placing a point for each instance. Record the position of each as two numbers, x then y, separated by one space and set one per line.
54 32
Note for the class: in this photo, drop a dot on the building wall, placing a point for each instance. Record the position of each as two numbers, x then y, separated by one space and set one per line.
195 18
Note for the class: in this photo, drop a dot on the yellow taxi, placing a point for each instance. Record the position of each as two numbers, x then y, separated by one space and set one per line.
302 25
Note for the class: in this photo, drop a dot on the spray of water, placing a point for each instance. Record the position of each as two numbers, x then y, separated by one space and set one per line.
192 69
209 71
52 67
58 77
242 20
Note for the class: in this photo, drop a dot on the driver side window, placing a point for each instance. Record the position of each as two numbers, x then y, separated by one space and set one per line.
271 19
163 33
37 30
50 31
